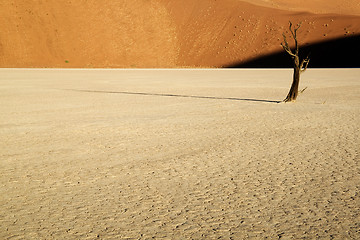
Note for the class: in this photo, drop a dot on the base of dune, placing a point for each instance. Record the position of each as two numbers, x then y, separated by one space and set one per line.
178 154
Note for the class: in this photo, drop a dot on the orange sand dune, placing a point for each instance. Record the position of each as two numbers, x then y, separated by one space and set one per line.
161 33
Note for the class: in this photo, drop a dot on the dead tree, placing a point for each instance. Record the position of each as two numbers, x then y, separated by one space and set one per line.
299 67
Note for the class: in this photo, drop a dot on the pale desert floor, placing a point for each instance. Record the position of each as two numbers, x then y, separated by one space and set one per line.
179 154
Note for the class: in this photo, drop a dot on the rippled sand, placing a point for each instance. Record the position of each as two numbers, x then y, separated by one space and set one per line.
178 154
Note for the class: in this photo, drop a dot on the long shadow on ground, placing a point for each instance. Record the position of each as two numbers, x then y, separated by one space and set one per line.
338 53
177 95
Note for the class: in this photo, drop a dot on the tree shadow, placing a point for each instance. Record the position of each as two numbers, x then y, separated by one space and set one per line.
337 53
177 95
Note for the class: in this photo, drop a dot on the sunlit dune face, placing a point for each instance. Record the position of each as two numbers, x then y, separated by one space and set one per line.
163 33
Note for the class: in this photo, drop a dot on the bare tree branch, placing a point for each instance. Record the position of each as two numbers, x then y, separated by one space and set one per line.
293 32
301 91
306 62
288 50
286 47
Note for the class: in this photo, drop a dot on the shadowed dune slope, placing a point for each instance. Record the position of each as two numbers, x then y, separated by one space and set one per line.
160 33
337 53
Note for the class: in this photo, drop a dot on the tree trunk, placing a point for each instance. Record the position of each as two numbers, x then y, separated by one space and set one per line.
298 67
294 90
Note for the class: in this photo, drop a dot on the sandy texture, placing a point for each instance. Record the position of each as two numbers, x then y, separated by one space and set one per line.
86 33
346 7
162 33
178 154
